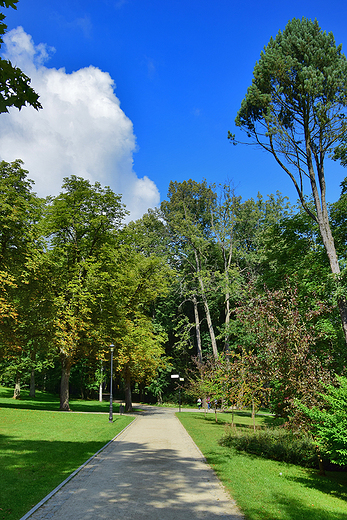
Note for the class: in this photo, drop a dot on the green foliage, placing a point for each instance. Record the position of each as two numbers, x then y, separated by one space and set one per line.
276 444
338 213
294 255
187 214
80 223
161 382
20 211
15 90
24 310
329 424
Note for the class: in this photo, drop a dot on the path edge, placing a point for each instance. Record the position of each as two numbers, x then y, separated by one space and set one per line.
73 474
220 483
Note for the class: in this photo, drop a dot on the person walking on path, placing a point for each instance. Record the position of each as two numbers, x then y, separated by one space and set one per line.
151 471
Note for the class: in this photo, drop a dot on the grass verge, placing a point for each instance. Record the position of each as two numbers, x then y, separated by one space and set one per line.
266 489
40 448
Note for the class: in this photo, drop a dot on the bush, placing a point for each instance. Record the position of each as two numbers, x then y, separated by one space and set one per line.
276 444
329 426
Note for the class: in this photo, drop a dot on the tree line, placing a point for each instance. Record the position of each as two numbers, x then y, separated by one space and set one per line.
203 275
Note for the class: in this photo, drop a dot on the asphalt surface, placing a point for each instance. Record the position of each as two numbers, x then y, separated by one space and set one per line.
152 470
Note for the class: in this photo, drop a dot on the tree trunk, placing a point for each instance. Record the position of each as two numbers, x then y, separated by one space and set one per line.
324 226
253 414
320 462
142 394
227 322
64 384
197 328
32 384
101 382
329 245
210 326
128 399
16 393
206 306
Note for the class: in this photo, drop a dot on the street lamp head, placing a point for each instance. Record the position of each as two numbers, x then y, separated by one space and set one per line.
112 347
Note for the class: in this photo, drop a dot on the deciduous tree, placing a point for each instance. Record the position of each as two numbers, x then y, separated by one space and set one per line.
80 223
295 109
188 217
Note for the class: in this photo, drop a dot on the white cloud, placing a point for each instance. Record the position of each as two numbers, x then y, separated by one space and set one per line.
81 129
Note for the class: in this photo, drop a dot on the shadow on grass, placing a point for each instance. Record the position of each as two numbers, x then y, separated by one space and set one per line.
287 506
293 510
334 483
31 469
224 419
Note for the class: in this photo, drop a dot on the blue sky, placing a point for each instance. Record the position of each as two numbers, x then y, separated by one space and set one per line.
180 70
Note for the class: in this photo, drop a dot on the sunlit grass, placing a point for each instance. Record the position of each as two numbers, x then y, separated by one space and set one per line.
266 489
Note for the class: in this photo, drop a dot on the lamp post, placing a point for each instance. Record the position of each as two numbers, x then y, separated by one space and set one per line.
110 418
177 376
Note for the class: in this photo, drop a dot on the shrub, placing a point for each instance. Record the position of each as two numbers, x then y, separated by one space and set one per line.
329 426
276 444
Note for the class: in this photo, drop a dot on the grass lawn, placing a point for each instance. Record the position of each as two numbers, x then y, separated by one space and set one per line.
266 489
40 446
46 401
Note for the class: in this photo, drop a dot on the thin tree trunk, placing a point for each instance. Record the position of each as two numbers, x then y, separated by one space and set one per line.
32 384
209 324
329 245
206 306
324 225
16 393
101 382
197 328
64 384
227 322
253 414
32 375
128 399
142 394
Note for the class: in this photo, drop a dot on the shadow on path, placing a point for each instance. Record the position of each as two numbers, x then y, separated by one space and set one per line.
163 477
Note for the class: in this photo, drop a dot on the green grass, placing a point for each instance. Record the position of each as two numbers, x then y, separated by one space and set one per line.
266 489
41 446
46 401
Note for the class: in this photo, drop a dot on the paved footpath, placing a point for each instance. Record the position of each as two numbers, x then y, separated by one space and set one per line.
152 470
